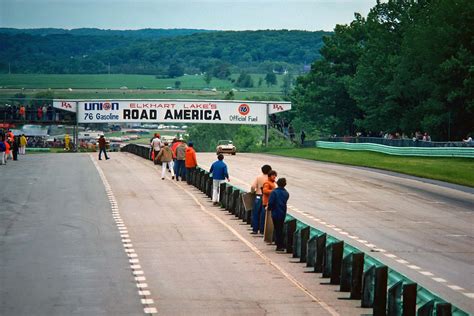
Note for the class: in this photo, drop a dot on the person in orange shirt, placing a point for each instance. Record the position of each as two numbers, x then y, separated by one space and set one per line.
258 211
190 161
22 112
8 152
267 189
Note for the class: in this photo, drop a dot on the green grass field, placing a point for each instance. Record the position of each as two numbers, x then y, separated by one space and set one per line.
453 170
115 81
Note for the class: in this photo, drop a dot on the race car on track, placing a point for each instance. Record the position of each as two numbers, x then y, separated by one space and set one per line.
225 147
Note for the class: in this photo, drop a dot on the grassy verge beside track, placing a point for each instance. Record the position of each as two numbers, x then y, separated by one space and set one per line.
453 170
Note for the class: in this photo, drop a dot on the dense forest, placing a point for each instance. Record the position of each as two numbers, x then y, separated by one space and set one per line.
138 52
407 67
143 33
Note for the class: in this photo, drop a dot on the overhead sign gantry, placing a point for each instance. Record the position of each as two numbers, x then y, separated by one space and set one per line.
172 111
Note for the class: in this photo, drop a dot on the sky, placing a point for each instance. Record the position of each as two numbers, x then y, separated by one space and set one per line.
310 15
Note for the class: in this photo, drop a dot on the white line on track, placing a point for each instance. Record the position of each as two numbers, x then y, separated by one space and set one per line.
128 246
150 310
427 273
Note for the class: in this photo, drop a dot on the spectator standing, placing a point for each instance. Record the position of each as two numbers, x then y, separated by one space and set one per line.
190 161
180 161
8 152
2 151
45 112
102 147
277 205
166 157
302 136
258 211
39 113
15 112
291 130
267 189
23 142
174 144
67 142
156 144
49 110
426 137
22 112
9 112
15 147
219 174
468 140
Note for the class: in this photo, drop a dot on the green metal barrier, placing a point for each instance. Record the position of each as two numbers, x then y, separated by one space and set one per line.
424 298
463 152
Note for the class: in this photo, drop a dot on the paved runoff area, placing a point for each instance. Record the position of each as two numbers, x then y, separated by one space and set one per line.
88 237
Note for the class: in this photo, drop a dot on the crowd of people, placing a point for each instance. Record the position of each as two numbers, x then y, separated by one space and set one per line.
11 146
270 203
38 113
178 157
286 128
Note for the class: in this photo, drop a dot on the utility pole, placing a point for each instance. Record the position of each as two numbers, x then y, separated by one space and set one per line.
267 132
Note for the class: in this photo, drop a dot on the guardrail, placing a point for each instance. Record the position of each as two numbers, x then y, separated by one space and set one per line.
399 142
462 152
376 285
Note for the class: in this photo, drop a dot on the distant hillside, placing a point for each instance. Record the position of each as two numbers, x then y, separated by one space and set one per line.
143 33
99 51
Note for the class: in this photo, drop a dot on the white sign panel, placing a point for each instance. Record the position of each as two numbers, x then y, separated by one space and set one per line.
172 111
66 105
278 107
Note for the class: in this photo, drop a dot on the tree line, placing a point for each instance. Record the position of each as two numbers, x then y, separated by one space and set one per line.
95 52
407 67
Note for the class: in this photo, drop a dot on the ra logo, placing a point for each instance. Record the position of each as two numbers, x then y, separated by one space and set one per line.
244 109
278 107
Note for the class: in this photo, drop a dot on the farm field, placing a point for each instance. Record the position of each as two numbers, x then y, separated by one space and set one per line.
116 81
7 94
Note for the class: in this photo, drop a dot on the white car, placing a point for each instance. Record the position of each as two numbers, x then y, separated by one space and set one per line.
226 146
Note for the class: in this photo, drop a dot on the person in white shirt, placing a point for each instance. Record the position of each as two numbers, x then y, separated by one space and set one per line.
156 144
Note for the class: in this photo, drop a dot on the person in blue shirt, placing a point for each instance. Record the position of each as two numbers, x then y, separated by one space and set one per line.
219 174
277 205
